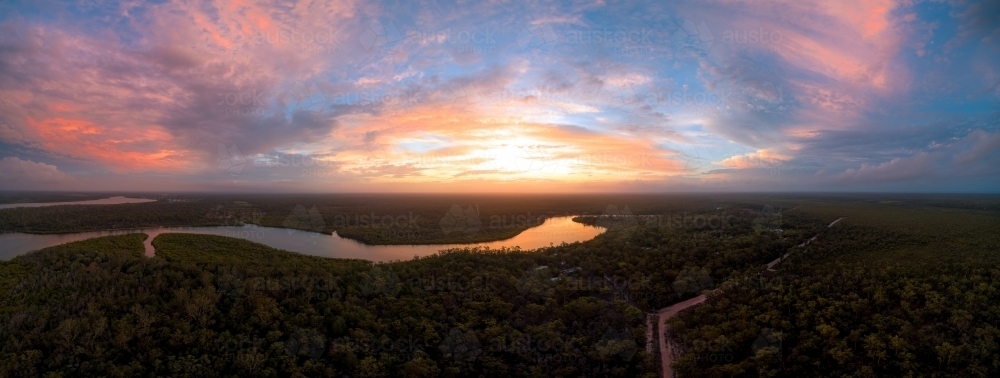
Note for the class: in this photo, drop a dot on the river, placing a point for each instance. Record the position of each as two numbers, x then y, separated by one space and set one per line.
553 231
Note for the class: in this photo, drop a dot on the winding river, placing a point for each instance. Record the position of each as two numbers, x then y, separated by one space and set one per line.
553 231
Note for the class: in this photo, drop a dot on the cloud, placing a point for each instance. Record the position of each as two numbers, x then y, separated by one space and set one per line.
760 159
898 169
153 88
975 155
25 174
984 144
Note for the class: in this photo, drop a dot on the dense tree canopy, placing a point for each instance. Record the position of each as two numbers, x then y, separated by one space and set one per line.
901 291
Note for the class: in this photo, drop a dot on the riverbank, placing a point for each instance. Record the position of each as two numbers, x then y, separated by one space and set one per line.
554 231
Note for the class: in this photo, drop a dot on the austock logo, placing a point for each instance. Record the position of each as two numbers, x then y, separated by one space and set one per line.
318 288
460 345
615 218
753 282
319 39
526 345
305 97
232 283
245 103
236 214
768 220
390 227
306 342
541 37
373 220
380 282
242 349
479 289
307 220
768 341
718 350
693 36
404 346
458 220
542 281
537 281
612 216
231 160
765 97
617 342
693 280
379 34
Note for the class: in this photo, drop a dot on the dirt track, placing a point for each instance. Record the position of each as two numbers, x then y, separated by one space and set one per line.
666 350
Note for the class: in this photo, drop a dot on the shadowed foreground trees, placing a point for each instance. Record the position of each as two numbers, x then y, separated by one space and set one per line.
900 297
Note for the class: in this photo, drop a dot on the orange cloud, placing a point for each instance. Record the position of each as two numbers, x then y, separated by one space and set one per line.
125 148
464 145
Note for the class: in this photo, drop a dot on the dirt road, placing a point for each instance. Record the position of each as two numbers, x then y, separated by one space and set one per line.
666 349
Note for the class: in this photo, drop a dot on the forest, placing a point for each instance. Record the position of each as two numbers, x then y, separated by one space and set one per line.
372 219
892 290
207 305
897 288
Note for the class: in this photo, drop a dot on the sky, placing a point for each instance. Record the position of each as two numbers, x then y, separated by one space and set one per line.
500 96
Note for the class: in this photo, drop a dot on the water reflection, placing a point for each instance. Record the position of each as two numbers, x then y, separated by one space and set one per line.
553 231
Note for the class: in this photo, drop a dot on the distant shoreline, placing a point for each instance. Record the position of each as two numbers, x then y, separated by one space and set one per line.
115 200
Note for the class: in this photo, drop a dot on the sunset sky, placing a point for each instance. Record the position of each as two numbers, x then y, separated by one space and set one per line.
343 96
